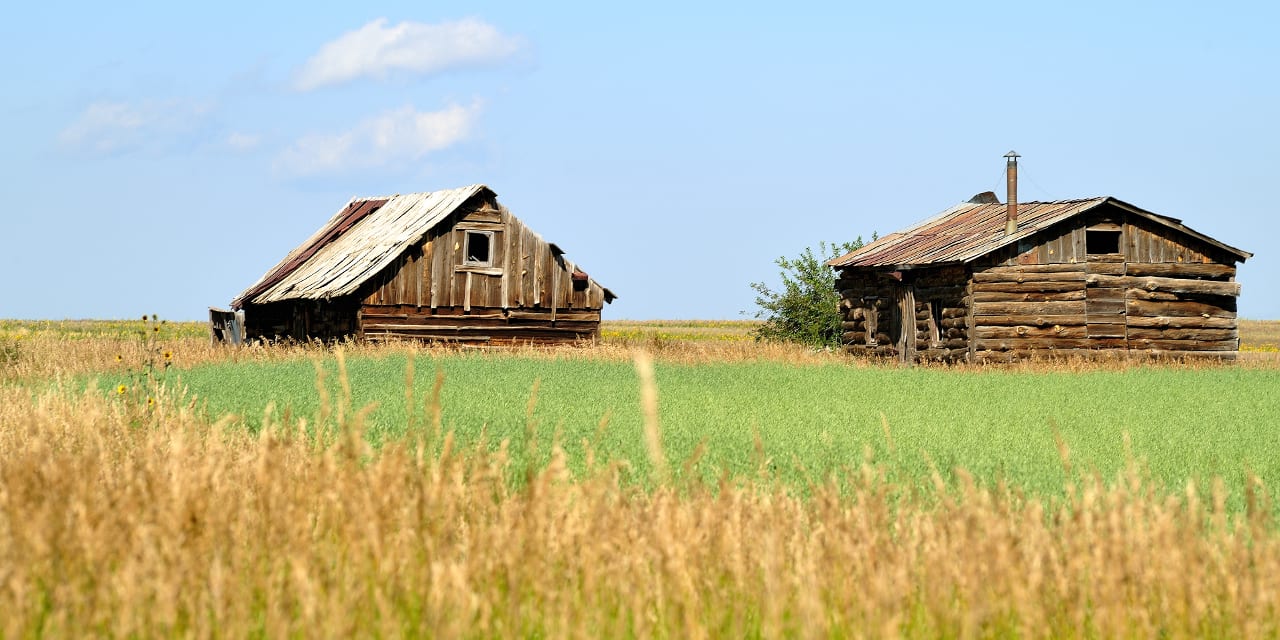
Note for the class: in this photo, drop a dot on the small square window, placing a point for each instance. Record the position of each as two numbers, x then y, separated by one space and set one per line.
479 248
1098 241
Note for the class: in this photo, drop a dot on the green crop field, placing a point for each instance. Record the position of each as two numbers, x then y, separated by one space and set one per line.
153 484
809 420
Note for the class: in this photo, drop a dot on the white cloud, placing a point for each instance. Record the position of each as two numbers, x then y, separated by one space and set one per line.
243 141
110 127
375 50
395 136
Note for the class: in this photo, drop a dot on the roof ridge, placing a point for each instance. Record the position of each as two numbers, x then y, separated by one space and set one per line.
423 193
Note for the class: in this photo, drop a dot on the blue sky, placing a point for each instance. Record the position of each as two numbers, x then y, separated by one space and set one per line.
160 157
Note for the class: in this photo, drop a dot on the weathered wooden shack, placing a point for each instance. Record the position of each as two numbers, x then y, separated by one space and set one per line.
450 265
986 281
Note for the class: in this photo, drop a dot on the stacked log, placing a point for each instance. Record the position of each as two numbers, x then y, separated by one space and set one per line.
1165 309
1180 309
869 313
1027 308
864 303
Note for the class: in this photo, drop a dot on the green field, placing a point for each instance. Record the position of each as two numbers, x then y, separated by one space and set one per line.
199 490
808 420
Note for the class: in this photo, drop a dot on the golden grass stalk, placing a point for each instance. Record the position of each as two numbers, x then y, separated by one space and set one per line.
117 520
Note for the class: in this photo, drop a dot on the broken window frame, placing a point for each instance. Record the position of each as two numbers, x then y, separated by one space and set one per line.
468 256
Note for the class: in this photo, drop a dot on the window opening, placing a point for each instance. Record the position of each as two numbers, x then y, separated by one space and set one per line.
1099 241
479 248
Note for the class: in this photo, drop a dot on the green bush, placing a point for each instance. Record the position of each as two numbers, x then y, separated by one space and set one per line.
805 308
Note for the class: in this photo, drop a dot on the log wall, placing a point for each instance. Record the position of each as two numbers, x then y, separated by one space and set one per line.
1173 309
920 317
1155 291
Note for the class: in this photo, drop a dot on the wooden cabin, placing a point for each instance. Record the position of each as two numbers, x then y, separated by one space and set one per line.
986 281
449 265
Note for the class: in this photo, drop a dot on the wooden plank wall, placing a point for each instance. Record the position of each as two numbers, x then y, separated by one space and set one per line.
1144 242
381 322
527 294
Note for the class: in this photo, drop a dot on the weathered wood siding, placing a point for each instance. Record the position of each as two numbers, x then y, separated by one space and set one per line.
1158 292
922 316
1142 241
525 292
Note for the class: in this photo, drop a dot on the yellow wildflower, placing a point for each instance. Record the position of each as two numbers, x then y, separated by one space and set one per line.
119 358
151 402
121 389
168 355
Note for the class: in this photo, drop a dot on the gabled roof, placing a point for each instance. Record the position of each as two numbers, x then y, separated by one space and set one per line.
357 243
971 230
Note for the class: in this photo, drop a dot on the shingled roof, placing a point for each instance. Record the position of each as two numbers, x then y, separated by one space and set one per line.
971 230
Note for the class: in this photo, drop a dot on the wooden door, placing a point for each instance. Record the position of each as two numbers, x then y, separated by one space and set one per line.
904 336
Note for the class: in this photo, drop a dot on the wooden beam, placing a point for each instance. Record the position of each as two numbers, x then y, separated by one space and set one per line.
1026 308
983 276
1179 309
1029 297
1045 320
1037 268
1184 285
1189 322
1024 331
1052 286
1182 270
1168 333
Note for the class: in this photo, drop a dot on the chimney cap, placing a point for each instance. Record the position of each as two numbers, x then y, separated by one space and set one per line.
1012 155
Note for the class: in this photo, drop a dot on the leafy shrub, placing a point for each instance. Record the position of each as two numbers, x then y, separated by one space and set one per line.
805 308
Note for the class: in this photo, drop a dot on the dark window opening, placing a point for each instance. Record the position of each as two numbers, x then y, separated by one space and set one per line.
1098 241
479 248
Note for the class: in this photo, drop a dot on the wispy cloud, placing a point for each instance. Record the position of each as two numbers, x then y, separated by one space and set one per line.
376 50
112 127
395 136
243 141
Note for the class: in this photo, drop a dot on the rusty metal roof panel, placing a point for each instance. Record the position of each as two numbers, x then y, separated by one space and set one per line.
355 211
359 241
961 234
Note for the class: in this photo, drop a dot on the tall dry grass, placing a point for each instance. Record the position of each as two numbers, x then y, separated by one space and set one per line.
50 356
121 520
